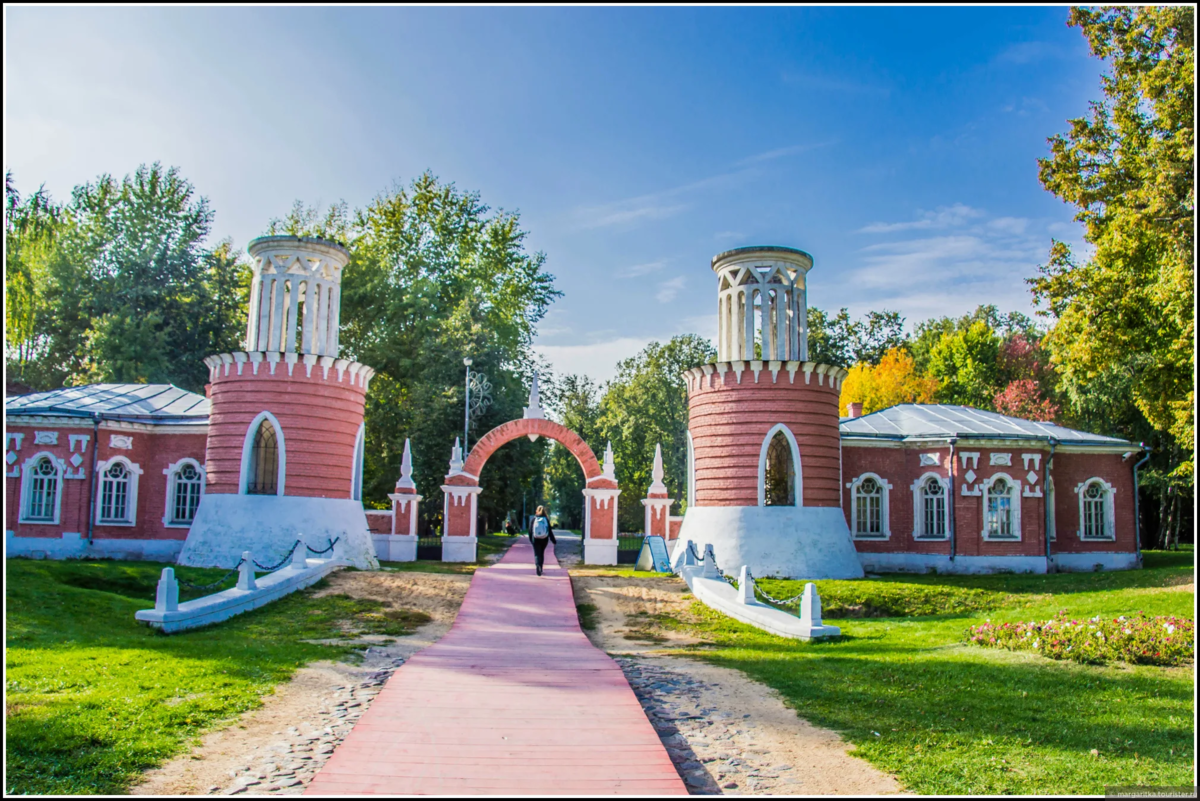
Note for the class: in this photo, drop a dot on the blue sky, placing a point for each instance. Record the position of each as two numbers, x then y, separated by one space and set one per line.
896 145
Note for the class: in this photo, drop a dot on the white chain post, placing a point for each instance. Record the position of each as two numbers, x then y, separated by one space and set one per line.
745 586
300 555
246 573
167 597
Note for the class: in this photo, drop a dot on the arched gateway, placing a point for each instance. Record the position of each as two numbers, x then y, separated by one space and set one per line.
462 487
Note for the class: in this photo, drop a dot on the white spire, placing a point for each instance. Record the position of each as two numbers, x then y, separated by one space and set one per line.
406 479
657 487
610 469
534 409
456 458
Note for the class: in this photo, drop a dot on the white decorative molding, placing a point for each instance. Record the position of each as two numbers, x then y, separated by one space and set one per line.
459 497
1036 458
356 471
60 466
76 462
1110 517
121 441
248 449
18 438
691 472
14 470
931 460
657 487
970 477
762 464
1002 459
1015 506
135 473
965 457
918 488
81 439
171 471
599 498
45 437
406 470
456 459
884 508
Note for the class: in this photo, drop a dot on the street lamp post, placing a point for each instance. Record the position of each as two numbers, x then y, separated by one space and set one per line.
467 405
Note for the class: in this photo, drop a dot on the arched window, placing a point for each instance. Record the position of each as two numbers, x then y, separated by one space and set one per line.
185 488
117 499
780 474
869 507
41 485
264 462
780 481
1001 508
1096 519
264 457
929 507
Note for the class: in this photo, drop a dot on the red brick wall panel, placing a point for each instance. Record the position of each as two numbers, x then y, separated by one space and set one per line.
1070 470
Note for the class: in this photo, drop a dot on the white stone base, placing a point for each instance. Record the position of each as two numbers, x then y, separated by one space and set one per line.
721 596
224 605
1087 562
456 549
395 547
268 525
599 552
73 545
940 563
802 542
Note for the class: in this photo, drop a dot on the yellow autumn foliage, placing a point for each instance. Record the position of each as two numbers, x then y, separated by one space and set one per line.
894 380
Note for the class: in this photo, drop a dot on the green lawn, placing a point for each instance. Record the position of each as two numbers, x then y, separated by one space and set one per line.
95 698
950 718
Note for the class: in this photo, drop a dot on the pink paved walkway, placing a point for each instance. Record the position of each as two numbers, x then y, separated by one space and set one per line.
514 700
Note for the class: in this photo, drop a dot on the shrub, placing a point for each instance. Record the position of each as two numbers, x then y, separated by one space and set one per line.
1139 638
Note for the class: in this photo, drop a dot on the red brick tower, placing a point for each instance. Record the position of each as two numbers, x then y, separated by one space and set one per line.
764 455
285 437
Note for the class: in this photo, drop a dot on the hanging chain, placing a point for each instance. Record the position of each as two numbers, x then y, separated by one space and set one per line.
326 550
263 568
731 581
282 561
221 580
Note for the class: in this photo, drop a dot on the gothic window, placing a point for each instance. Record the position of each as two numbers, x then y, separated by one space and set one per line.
186 485
1096 510
264 462
933 508
869 508
999 523
780 475
41 498
118 492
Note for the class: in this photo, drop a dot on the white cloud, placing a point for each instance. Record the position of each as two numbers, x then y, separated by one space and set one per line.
791 150
1009 225
943 217
667 290
597 360
641 269
652 206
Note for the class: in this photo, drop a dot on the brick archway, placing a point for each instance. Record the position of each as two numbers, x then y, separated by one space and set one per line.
462 487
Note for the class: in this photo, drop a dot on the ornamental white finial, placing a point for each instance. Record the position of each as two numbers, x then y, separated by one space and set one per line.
610 469
406 479
534 410
657 487
456 458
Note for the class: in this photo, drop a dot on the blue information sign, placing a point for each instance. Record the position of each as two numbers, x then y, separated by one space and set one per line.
654 555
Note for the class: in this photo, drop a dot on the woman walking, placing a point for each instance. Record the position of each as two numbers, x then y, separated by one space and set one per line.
540 535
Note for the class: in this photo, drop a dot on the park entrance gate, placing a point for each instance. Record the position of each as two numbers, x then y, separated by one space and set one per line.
462 489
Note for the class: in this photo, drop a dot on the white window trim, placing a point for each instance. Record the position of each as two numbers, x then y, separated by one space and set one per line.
885 511
171 471
356 476
1014 496
691 472
762 464
248 447
919 511
61 466
135 473
1110 517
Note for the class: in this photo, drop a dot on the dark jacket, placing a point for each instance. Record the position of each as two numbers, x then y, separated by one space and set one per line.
548 526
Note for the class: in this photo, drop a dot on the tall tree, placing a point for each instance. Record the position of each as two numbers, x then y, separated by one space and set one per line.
575 401
646 404
965 362
1128 169
31 227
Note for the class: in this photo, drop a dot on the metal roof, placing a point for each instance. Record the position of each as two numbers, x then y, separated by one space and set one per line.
155 404
932 421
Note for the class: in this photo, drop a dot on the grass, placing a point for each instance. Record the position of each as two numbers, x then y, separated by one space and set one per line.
950 718
95 698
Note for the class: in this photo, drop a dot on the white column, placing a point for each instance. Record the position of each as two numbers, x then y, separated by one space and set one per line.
252 318
748 344
293 300
334 320
276 339
264 313
802 319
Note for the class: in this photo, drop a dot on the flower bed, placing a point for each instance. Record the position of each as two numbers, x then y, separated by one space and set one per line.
1138 638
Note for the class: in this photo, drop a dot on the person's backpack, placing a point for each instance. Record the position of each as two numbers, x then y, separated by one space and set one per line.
541 529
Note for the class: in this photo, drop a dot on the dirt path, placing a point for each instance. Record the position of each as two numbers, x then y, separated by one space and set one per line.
726 733
277 748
